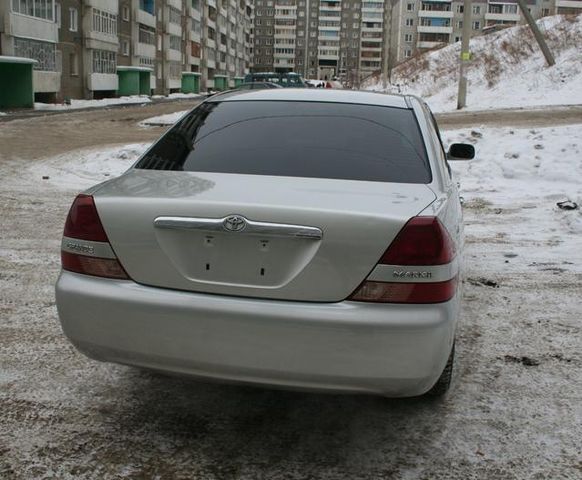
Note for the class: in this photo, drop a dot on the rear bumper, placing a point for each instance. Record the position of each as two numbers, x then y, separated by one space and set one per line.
394 350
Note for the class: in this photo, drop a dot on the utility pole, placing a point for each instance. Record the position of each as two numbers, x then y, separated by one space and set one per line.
537 34
465 55
386 50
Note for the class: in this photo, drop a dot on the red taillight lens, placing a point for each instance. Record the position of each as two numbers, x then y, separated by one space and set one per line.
83 221
422 241
98 267
385 292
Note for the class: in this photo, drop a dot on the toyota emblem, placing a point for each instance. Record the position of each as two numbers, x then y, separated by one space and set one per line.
234 223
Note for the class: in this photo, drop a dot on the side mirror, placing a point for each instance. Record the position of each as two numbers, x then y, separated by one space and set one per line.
461 151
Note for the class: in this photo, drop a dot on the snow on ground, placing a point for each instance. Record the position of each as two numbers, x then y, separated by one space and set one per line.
521 174
163 120
514 413
178 95
104 102
81 169
508 70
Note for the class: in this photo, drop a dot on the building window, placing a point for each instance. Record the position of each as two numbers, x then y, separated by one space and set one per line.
407 53
460 24
73 64
460 9
34 8
410 7
476 25
73 19
104 22
104 61
125 13
147 35
476 9
175 16
409 22
147 6
408 37
125 48
43 52
175 43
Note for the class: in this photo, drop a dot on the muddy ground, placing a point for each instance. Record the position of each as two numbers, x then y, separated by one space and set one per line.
514 413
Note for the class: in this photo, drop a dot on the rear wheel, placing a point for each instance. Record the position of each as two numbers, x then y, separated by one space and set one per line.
444 382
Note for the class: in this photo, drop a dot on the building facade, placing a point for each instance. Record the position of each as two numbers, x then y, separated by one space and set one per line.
351 39
81 46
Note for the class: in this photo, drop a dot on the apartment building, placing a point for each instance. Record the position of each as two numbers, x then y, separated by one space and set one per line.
319 38
29 29
102 48
423 24
350 39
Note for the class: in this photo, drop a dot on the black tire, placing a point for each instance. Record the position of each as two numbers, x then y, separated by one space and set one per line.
443 384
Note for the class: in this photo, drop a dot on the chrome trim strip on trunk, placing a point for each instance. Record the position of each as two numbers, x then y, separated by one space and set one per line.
250 227
87 248
414 273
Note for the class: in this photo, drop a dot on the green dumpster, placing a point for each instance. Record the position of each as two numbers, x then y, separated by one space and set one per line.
220 82
16 82
190 82
133 80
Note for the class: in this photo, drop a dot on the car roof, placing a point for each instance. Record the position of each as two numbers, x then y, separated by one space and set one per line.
313 95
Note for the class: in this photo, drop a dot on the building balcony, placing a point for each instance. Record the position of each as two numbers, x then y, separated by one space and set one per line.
173 29
195 36
429 44
34 28
46 82
284 55
173 55
569 4
145 50
175 3
102 81
210 63
210 23
192 12
101 41
210 43
193 60
145 18
111 6
435 14
502 17
221 47
434 29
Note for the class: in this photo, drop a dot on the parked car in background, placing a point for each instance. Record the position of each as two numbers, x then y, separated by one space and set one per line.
257 86
304 239
287 80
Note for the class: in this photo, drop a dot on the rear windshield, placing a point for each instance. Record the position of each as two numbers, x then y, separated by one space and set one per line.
295 139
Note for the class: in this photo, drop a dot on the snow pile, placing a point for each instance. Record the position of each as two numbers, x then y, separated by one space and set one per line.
521 175
163 120
104 102
508 69
178 96
81 169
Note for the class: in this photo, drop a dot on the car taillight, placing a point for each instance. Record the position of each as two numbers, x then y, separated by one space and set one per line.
422 242
86 248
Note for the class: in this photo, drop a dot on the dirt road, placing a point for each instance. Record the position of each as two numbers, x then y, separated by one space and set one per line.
514 414
45 136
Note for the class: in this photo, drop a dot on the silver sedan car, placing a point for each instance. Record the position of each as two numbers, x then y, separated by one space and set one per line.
302 239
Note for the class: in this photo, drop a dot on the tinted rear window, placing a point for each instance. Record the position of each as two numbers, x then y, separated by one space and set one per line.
295 139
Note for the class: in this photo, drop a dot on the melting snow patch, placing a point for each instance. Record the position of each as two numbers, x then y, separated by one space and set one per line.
81 169
163 120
